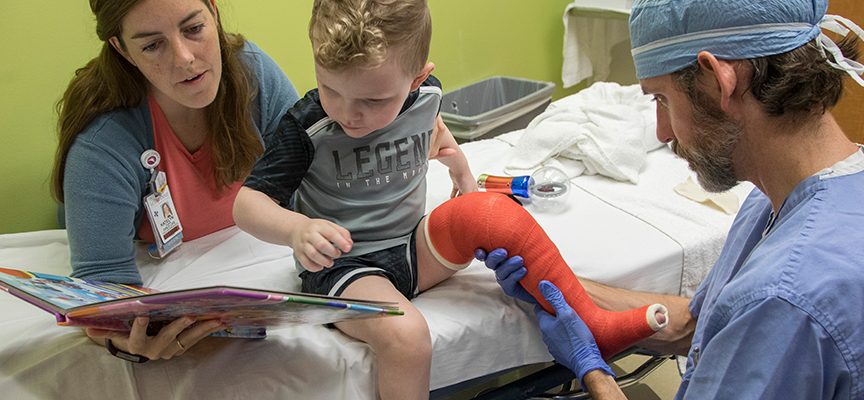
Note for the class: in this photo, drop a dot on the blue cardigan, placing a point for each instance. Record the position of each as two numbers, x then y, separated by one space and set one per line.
104 181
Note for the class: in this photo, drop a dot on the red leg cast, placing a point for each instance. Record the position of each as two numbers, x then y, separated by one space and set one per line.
490 221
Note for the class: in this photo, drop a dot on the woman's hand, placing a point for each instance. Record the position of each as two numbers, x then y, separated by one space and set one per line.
172 340
316 242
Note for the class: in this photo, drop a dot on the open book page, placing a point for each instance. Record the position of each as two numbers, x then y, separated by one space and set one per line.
61 293
246 312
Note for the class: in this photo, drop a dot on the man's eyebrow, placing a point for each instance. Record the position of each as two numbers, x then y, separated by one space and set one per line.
191 15
647 91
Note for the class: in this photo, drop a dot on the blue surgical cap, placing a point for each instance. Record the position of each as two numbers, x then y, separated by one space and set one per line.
667 35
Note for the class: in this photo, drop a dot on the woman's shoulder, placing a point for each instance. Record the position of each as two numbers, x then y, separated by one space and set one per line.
108 151
259 61
265 68
122 130
275 92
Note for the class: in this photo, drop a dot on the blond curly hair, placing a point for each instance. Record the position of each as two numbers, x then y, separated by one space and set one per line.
358 33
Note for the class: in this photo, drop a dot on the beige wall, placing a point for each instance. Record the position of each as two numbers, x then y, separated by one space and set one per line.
850 110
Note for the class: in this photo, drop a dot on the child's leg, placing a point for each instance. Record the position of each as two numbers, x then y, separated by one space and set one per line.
430 271
402 344
490 221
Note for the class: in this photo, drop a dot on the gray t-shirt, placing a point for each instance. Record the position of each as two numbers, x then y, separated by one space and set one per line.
374 186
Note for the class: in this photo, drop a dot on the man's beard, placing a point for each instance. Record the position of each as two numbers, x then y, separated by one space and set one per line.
714 138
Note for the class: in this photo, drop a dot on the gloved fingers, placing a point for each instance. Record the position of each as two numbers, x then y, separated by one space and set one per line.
554 297
480 254
494 258
542 315
511 269
508 274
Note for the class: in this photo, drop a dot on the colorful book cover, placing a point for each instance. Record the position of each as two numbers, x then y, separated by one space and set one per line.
246 312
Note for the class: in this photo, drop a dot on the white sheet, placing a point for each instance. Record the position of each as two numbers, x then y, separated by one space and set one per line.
476 329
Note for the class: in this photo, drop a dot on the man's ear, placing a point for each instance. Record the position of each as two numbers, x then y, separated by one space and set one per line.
115 43
424 73
721 73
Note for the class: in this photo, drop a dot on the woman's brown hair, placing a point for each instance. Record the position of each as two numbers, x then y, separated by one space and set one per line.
109 82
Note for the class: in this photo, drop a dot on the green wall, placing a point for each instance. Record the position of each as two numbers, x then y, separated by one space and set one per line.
44 41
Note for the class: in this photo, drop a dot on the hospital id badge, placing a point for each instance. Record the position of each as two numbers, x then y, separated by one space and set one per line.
163 218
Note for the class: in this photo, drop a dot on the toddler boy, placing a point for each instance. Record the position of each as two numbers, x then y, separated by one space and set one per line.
354 154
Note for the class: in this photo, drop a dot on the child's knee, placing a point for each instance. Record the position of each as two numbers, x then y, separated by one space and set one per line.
409 338
480 220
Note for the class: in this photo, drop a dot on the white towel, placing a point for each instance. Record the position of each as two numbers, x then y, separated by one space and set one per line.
605 129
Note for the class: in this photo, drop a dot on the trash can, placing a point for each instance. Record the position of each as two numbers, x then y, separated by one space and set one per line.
494 106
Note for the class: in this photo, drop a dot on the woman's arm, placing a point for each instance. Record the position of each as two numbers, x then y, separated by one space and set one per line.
104 184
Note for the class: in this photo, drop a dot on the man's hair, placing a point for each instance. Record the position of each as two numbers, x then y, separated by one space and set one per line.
359 33
797 82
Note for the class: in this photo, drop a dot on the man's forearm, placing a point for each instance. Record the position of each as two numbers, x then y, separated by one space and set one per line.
601 386
673 339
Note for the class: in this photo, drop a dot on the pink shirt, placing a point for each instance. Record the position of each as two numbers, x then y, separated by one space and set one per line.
201 207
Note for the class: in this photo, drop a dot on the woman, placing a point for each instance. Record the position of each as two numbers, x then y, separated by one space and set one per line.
168 78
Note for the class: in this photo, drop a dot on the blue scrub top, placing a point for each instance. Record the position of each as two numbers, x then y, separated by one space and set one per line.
781 314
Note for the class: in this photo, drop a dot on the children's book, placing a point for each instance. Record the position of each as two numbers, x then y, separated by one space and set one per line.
246 312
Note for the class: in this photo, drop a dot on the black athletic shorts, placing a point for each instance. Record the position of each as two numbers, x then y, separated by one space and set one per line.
397 263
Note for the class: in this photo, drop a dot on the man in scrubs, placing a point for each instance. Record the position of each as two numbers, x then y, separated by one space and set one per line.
744 92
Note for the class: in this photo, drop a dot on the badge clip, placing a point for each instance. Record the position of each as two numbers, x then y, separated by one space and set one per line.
160 208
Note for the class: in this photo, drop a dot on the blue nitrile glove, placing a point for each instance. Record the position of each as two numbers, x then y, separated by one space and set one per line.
568 338
508 272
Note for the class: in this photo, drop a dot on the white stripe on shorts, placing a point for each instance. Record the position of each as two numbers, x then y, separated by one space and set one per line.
343 280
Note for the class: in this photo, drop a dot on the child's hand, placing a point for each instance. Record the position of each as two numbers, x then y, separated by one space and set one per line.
316 242
463 183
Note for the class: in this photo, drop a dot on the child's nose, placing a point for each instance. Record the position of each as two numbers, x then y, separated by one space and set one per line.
353 113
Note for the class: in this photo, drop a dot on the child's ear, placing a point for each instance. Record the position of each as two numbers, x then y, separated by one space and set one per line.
424 73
